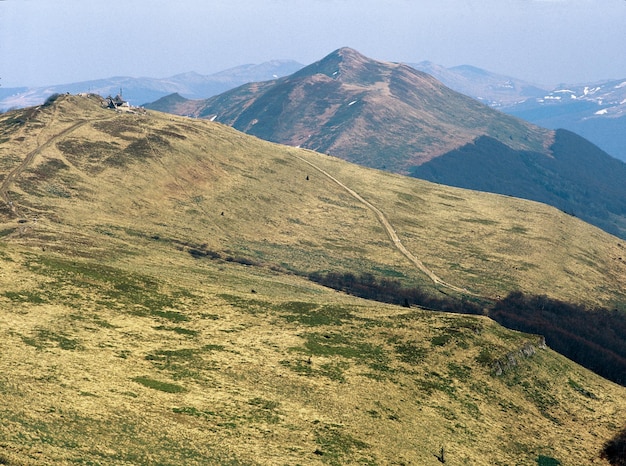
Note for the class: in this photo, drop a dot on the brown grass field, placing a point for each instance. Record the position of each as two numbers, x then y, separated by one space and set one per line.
154 310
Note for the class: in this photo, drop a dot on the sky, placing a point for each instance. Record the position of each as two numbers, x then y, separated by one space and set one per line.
546 42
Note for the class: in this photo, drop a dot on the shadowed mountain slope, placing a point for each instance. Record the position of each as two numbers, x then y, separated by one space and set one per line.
578 178
153 296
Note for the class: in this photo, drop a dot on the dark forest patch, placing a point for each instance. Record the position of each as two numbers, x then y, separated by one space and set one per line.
594 338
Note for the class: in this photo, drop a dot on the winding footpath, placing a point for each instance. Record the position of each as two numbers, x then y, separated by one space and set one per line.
393 236
28 160
391 232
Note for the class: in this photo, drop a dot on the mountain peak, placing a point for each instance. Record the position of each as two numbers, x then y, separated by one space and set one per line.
344 64
341 103
349 54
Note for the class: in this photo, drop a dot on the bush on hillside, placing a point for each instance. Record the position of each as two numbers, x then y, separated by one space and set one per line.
614 450
51 99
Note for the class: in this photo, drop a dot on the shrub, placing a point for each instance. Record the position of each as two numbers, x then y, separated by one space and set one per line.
614 450
547 461
51 99
158 385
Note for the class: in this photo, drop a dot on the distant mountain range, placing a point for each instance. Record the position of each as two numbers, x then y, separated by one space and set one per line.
142 90
596 111
393 117
492 89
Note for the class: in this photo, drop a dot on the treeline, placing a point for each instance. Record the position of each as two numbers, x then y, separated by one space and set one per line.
392 291
594 338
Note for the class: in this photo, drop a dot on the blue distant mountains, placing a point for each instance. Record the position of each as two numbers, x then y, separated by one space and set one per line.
138 91
596 111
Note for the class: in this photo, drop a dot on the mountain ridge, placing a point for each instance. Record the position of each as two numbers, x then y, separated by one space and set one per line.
601 121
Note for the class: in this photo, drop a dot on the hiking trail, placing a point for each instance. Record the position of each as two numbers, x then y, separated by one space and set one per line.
391 232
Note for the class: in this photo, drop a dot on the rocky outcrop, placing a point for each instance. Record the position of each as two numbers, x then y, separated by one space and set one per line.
510 360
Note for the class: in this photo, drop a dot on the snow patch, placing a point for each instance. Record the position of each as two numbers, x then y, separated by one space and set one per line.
604 111
619 86
589 90
213 118
352 103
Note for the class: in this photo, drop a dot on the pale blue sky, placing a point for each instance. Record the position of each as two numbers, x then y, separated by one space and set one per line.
544 41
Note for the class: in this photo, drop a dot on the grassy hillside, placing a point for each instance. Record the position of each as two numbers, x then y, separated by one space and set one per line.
154 309
391 117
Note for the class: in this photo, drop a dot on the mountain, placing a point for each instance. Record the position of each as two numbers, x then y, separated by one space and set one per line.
577 177
155 296
390 116
490 88
141 90
596 111
378 114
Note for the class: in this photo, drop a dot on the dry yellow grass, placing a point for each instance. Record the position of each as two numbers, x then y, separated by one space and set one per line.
117 346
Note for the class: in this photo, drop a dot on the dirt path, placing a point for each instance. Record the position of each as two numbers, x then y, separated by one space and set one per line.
391 232
30 157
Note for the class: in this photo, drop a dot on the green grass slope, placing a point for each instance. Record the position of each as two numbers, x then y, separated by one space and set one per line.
153 309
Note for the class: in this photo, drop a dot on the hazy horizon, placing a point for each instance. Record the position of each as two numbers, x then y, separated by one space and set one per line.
545 42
